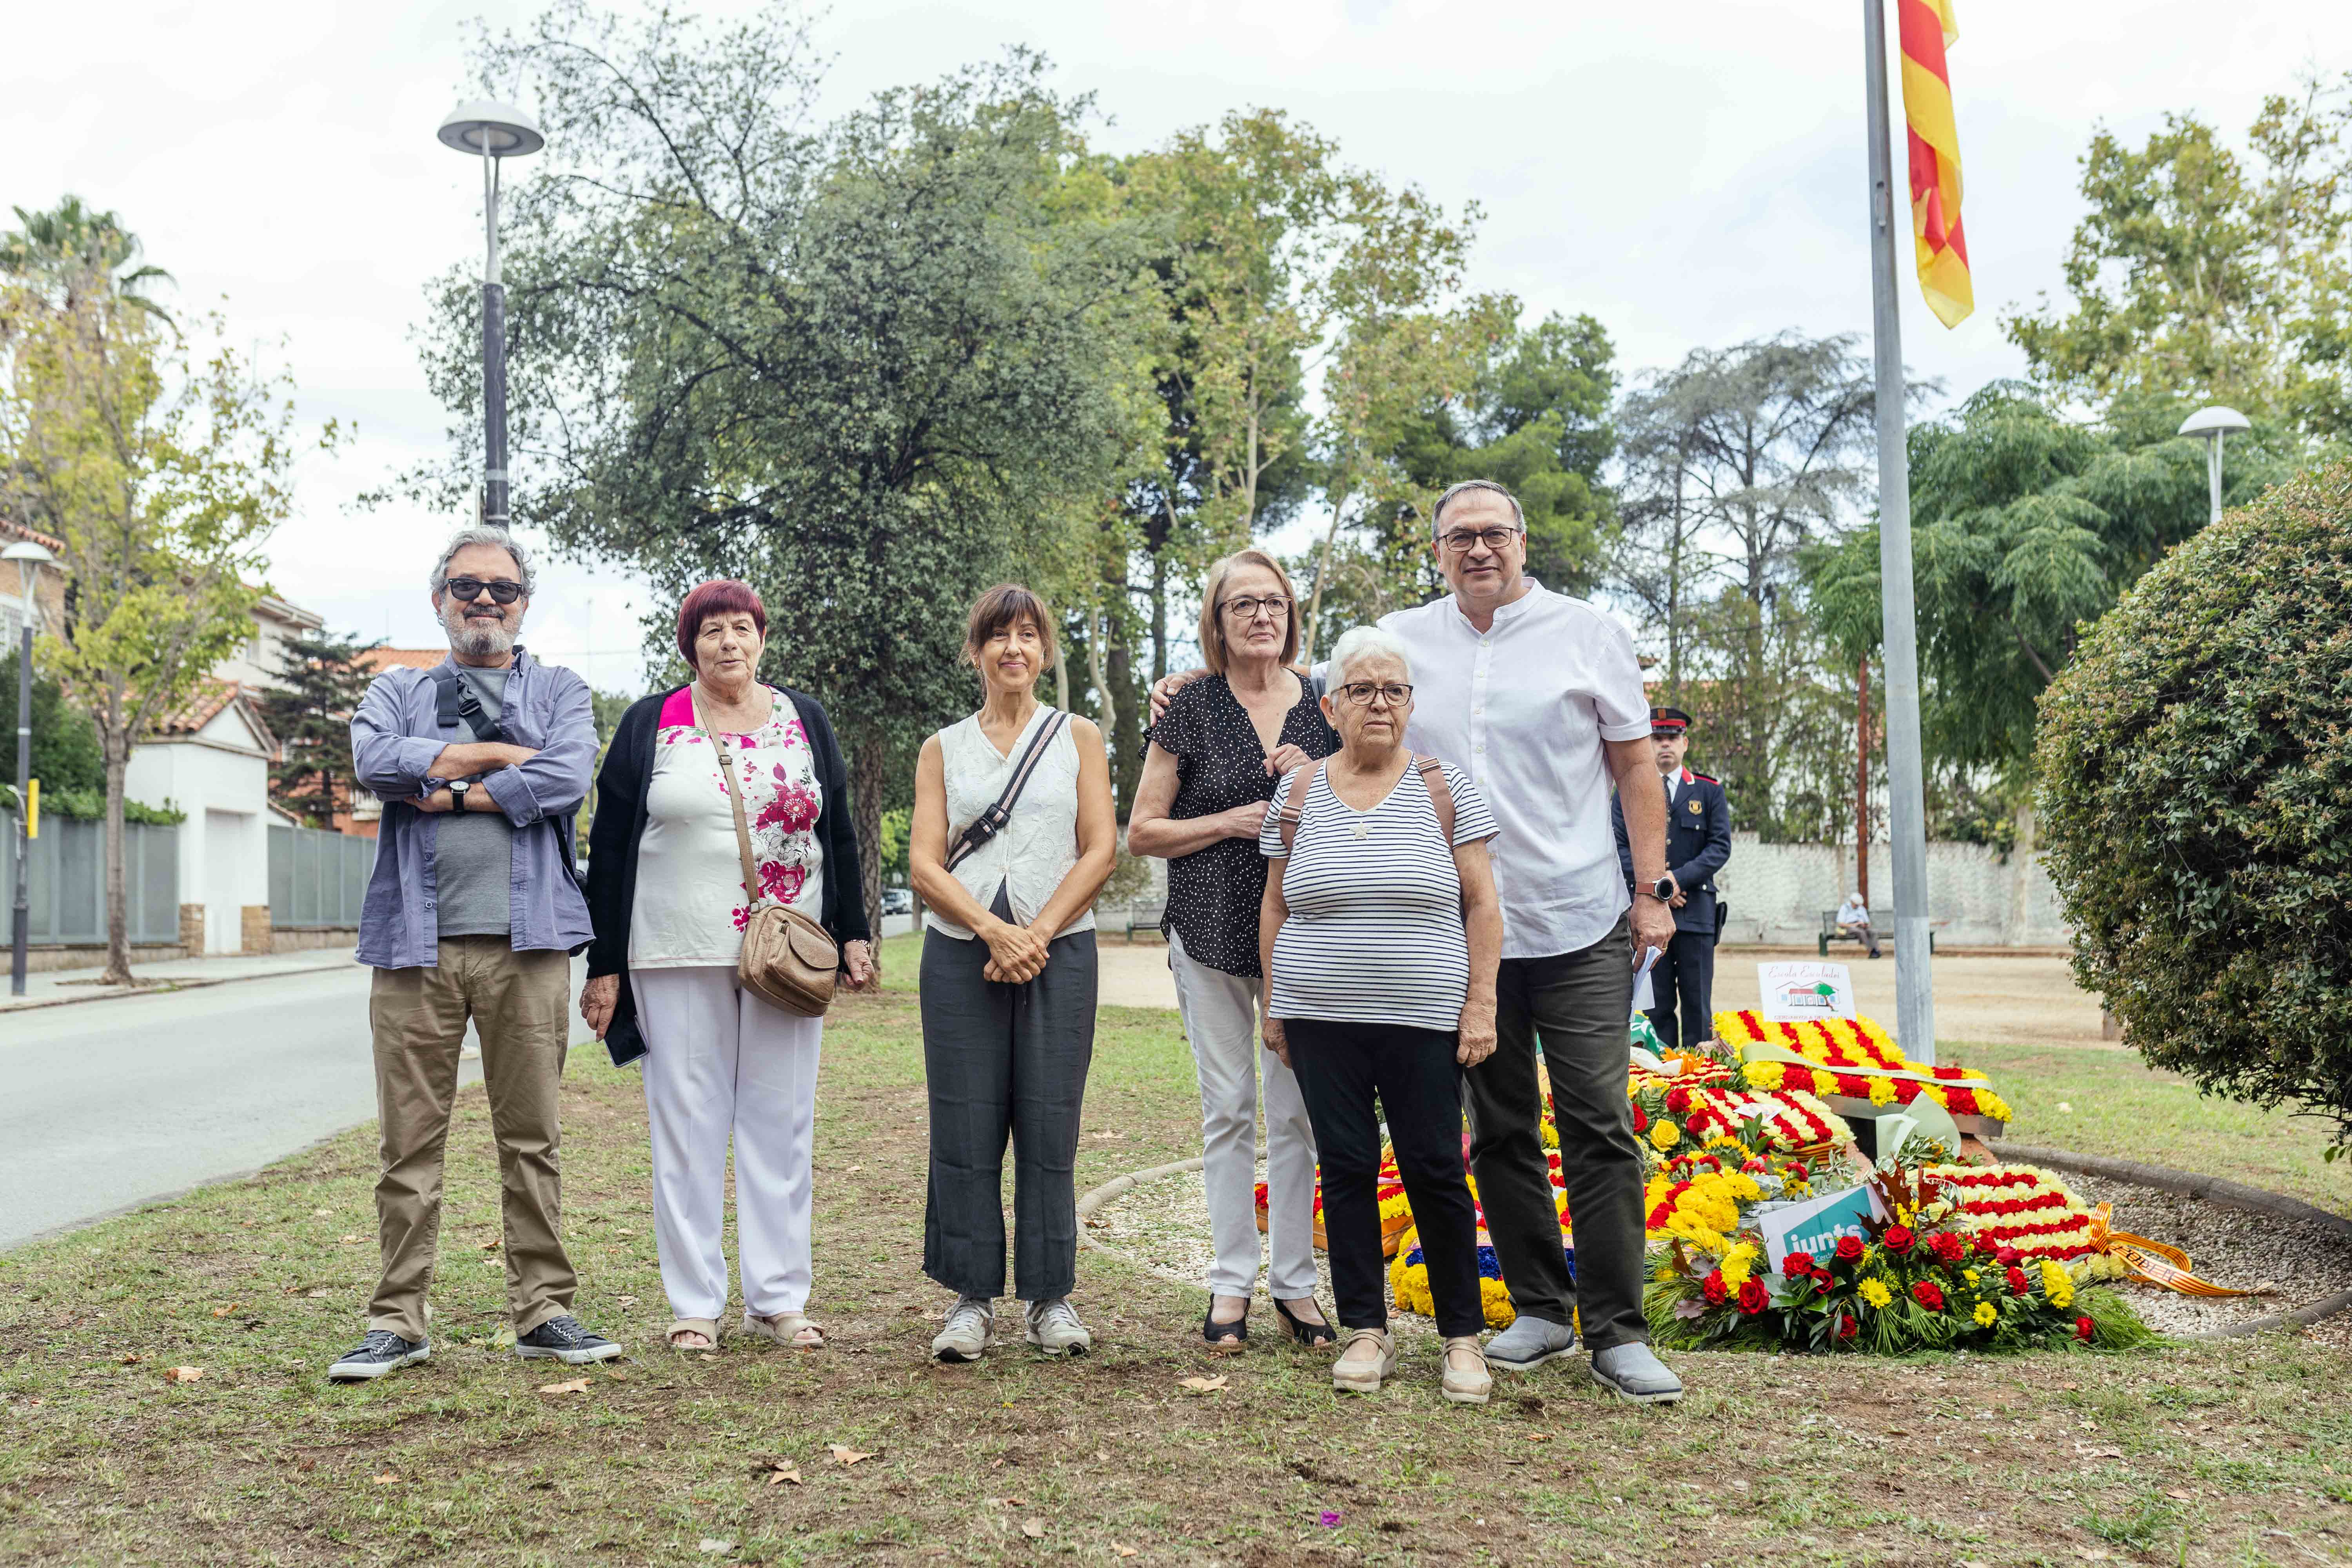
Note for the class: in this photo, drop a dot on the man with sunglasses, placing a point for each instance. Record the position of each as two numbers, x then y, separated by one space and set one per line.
1539 698
473 912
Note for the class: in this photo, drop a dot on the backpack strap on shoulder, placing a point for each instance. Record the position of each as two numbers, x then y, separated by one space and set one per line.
1440 794
1294 806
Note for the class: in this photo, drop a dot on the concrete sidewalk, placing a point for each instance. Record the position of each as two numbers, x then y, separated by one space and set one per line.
59 986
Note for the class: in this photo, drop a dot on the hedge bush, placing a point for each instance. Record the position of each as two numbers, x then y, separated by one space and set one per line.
2196 792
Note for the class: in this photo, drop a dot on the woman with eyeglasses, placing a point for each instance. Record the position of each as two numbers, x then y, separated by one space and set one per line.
1380 936
1210 767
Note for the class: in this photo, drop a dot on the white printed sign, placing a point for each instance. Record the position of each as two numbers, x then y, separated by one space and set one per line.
1800 990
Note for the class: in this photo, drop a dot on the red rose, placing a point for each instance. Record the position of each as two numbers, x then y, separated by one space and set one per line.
1713 1288
1898 1238
2018 1284
1849 1249
2083 1329
1847 1327
2009 1255
1754 1298
1796 1266
1986 1246
1948 1248
1640 1122
1928 1294
1678 1099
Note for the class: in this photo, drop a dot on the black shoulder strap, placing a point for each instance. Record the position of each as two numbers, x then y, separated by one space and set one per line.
448 693
990 823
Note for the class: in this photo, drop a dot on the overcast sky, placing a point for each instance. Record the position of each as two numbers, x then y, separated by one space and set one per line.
1690 174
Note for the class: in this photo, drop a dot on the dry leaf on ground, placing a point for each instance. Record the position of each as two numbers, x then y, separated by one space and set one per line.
183 1373
319 1295
224 1311
351 1241
132 1358
571 1385
1204 1384
321 1214
1034 1528
712 1544
626 1302
1122 1551
785 1473
387 1479
845 1455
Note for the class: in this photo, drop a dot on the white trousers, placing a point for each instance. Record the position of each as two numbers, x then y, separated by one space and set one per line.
1221 1022
719 1062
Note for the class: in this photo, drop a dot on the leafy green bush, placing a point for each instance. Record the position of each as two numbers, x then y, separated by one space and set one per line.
89 805
2197 799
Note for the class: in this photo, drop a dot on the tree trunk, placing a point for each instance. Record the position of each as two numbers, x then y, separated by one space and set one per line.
1061 675
1308 628
117 908
869 768
1159 614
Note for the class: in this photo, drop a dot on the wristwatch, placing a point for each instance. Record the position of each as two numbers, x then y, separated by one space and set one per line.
1663 889
457 788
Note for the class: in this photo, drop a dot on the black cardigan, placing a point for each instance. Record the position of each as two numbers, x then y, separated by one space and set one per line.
620 827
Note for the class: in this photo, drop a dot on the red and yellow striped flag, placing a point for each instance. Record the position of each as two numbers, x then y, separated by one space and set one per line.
1943 251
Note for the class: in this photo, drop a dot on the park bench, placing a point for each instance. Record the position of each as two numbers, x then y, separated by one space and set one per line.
1141 914
1830 933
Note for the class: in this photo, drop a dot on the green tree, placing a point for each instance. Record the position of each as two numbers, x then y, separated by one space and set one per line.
65 743
855 366
163 472
323 678
71 248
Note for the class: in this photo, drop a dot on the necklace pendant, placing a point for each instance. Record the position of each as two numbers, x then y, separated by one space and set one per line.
1361 829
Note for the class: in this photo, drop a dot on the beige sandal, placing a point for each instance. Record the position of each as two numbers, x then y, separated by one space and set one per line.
1359 1376
791 1328
707 1327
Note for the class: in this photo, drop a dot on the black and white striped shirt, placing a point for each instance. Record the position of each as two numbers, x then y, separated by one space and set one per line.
1374 934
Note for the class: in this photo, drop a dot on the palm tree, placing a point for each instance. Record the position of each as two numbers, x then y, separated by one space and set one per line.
59 252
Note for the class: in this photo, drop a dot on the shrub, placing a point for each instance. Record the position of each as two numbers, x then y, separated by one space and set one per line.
2197 802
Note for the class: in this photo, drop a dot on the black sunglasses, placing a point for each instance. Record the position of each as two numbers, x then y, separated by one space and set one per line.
502 590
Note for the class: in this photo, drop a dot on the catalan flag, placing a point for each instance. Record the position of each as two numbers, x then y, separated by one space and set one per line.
1928 29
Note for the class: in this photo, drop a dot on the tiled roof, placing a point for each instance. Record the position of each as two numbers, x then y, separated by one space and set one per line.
18 530
205 703
382 659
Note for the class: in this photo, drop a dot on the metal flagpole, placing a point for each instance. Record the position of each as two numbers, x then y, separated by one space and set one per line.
1915 1004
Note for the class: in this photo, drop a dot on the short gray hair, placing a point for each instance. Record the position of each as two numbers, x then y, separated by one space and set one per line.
481 533
1366 642
1437 513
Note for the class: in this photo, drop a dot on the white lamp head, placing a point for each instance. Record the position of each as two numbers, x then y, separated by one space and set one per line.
2214 421
485 125
27 554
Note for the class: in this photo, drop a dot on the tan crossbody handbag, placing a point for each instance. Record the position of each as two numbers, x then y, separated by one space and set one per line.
788 958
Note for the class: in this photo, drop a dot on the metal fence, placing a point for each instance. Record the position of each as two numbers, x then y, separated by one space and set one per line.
317 879
67 881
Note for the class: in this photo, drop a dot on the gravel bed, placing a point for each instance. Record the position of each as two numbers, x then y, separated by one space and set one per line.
1166 1225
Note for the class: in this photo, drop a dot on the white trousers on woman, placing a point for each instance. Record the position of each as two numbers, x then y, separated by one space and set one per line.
1221 1021
721 1061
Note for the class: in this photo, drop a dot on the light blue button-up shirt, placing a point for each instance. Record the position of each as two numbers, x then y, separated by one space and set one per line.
397 735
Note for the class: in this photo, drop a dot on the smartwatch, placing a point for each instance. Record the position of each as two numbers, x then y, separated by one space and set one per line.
1663 889
457 788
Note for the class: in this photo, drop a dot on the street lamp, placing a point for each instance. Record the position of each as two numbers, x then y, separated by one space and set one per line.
493 131
2213 424
29 558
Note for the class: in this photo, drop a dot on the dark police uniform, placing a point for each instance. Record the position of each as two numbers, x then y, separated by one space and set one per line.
1698 842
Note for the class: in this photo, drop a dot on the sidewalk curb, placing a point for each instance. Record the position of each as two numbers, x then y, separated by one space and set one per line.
165 988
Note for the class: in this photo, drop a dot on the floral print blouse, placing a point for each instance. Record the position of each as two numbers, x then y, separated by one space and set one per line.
691 903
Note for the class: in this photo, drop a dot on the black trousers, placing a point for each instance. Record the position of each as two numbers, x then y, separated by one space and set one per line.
1683 978
1578 1004
1341 1068
1004 1061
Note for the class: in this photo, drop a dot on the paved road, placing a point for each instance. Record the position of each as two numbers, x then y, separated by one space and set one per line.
112 1103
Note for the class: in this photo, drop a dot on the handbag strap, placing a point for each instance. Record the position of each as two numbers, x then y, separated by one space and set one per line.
990 822
735 804
1432 778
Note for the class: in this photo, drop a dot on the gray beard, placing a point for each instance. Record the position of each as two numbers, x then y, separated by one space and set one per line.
481 639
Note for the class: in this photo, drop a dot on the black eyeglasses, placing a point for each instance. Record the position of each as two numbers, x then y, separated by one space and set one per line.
1248 605
501 590
1461 539
1396 693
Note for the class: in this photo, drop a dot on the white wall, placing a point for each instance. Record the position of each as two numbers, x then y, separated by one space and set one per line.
1777 892
221 779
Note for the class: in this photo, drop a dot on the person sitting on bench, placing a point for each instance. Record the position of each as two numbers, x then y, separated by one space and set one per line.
1853 920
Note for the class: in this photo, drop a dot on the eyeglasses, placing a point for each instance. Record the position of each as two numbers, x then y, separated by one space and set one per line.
1460 540
501 590
1395 693
1247 607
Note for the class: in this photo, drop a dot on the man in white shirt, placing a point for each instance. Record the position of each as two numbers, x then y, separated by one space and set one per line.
1853 920
1539 698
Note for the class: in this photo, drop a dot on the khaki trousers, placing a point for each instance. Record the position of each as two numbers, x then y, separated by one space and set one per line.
519 1005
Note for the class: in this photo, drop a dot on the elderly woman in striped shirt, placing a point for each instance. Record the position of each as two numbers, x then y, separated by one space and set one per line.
1380 937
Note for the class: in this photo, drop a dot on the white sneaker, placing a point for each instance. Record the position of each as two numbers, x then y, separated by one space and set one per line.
970 1328
1054 1328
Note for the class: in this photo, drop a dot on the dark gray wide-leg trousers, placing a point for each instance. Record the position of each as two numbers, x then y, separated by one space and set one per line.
1005 1061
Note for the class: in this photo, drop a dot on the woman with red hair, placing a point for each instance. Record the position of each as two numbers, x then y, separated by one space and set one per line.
670 904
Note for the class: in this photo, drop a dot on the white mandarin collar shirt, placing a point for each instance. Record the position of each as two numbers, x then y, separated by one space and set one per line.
1523 708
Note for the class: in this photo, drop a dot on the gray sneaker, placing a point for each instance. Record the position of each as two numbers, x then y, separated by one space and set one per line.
1054 1328
382 1352
1529 1343
1631 1372
971 1328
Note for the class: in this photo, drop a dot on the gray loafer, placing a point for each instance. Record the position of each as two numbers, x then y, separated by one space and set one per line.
1529 1343
1631 1372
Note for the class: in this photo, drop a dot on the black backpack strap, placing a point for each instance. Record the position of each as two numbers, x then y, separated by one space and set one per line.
990 823
453 700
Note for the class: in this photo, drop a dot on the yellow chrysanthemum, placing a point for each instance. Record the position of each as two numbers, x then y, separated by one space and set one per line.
1969 1275
1882 1091
2057 1285
1665 1134
1986 1315
1876 1292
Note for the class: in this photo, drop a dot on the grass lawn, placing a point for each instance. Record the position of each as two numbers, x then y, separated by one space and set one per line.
2234 1454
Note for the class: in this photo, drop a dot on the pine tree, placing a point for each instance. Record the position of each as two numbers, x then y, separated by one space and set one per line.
311 717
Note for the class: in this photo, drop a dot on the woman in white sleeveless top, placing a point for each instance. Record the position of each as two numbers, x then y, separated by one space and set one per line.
1008 982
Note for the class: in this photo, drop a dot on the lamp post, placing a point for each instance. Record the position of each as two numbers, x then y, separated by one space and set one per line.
2213 424
29 558
494 131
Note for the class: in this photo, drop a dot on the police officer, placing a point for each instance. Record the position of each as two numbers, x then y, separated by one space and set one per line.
1698 842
